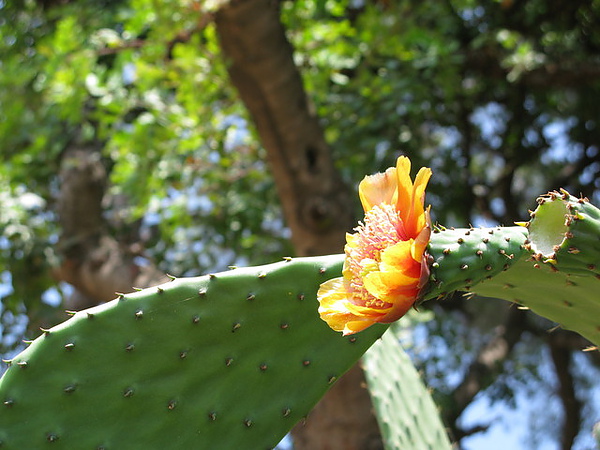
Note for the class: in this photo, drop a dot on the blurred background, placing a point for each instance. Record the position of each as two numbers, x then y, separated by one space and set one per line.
144 137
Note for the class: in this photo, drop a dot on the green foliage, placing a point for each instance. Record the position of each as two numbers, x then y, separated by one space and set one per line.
230 360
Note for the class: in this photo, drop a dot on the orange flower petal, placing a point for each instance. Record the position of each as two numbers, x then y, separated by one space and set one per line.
379 188
386 265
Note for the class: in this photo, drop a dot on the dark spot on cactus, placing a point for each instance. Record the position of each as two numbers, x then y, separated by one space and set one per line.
306 363
70 388
591 266
284 326
567 303
446 251
228 361
574 250
51 437
467 233
172 405
502 252
468 281
301 297
232 267
263 367
212 416
250 297
285 412
196 319
479 253
183 354
331 379
236 326
248 423
322 270
90 316
508 286
139 314
460 240
129 347
212 276
569 235
507 239
505 267
352 340
8 402
485 240
159 290
464 266
128 392
536 266
262 275
488 267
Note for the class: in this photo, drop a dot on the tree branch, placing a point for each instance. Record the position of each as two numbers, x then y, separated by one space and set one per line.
261 66
561 358
488 363
93 261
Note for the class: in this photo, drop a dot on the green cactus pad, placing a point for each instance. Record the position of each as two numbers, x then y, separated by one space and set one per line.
226 361
565 233
558 278
407 415
461 258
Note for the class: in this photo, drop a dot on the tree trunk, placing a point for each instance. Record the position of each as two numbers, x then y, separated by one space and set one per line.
93 261
315 202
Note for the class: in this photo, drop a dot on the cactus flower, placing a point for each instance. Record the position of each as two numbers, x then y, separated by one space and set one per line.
385 266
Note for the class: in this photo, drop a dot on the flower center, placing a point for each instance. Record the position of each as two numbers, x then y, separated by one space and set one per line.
382 228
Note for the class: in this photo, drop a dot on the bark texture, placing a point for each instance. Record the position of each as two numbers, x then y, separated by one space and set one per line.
261 66
314 199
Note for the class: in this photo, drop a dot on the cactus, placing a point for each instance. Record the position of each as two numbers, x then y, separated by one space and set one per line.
461 258
407 416
559 275
230 360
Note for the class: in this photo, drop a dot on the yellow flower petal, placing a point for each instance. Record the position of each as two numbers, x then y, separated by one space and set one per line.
379 188
386 265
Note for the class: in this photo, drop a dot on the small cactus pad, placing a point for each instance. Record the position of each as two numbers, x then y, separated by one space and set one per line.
559 277
565 233
407 415
227 361
463 257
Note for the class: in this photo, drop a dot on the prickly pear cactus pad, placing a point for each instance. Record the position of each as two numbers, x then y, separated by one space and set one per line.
407 415
226 361
559 276
461 258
